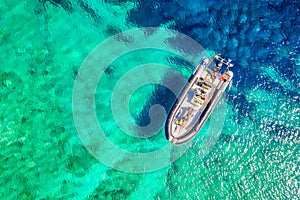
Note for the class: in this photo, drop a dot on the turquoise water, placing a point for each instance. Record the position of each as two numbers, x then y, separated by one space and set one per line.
44 43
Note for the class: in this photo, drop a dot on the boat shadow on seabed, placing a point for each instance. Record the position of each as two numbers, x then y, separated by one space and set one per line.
162 96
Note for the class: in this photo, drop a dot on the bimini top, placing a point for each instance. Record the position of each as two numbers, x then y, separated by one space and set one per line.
197 99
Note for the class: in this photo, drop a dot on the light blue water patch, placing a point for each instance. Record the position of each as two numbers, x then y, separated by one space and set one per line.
43 44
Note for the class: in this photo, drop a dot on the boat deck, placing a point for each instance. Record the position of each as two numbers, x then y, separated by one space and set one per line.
194 104
198 98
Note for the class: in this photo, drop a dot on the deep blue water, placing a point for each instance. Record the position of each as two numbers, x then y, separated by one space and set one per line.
43 46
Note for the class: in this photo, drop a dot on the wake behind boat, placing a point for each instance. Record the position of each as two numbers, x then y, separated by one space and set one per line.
197 99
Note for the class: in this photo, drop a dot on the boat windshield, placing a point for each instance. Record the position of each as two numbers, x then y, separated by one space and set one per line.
212 65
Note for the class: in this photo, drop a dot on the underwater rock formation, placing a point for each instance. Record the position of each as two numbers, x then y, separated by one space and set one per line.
90 11
65 4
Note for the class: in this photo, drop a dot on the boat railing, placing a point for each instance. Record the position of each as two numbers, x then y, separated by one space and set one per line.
212 66
223 60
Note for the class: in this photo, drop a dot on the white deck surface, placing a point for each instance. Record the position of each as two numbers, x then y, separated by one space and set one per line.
192 106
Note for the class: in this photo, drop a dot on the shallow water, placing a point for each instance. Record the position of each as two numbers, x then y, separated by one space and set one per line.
43 44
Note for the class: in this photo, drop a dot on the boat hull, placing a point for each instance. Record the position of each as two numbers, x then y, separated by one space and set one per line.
198 117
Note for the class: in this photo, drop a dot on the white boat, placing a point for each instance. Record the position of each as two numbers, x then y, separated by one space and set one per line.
198 98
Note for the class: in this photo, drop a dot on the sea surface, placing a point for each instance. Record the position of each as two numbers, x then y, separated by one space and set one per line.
44 43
